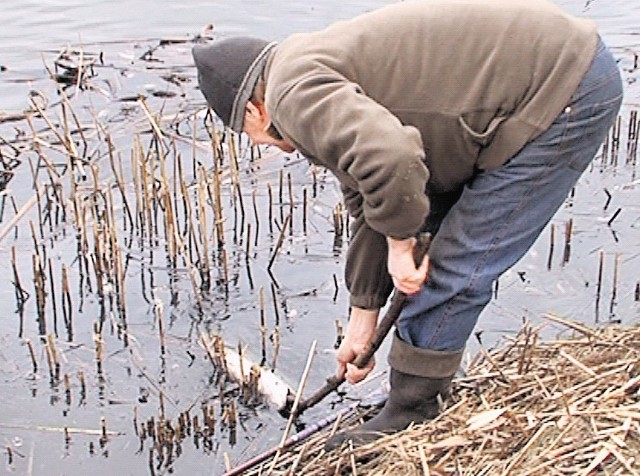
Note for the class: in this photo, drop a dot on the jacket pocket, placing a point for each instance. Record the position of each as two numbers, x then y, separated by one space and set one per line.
481 138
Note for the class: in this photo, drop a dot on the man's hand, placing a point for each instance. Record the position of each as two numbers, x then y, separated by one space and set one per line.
360 330
402 268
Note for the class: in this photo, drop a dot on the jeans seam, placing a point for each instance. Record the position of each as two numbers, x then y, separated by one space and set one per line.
600 82
604 104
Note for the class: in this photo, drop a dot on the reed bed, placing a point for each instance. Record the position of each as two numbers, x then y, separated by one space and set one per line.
569 406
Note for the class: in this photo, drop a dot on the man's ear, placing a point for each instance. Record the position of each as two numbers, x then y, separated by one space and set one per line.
256 112
251 109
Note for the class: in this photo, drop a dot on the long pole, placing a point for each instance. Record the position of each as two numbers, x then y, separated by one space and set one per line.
292 440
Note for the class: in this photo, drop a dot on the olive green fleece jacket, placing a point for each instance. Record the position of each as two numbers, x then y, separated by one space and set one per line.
417 97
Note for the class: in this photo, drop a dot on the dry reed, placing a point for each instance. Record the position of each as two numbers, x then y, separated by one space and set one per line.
528 408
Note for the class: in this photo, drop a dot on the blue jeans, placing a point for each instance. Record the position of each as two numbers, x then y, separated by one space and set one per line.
501 212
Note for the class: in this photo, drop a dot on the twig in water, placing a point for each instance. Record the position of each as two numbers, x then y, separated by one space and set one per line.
292 416
615 215
279 242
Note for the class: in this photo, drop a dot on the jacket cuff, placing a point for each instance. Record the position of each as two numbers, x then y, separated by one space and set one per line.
370 302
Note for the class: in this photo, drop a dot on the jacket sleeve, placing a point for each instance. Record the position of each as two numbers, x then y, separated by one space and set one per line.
378 161
364 144
366 275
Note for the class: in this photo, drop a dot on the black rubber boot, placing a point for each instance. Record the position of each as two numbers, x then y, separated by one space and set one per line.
413 397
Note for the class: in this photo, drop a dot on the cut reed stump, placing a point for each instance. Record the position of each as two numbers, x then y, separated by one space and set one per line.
528 408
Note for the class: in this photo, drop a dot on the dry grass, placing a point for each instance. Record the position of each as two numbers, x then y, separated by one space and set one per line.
529 408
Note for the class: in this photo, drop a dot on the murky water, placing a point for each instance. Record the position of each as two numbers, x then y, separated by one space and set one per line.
53 424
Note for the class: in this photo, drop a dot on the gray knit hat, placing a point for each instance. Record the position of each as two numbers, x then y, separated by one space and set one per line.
228 71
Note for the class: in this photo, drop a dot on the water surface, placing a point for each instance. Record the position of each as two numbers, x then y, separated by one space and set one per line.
591 278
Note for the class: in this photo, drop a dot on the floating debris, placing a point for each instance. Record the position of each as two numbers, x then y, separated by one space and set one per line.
262 382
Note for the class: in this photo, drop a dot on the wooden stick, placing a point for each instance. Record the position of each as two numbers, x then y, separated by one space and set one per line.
279 242
83 431
381 332
25 208
287 430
